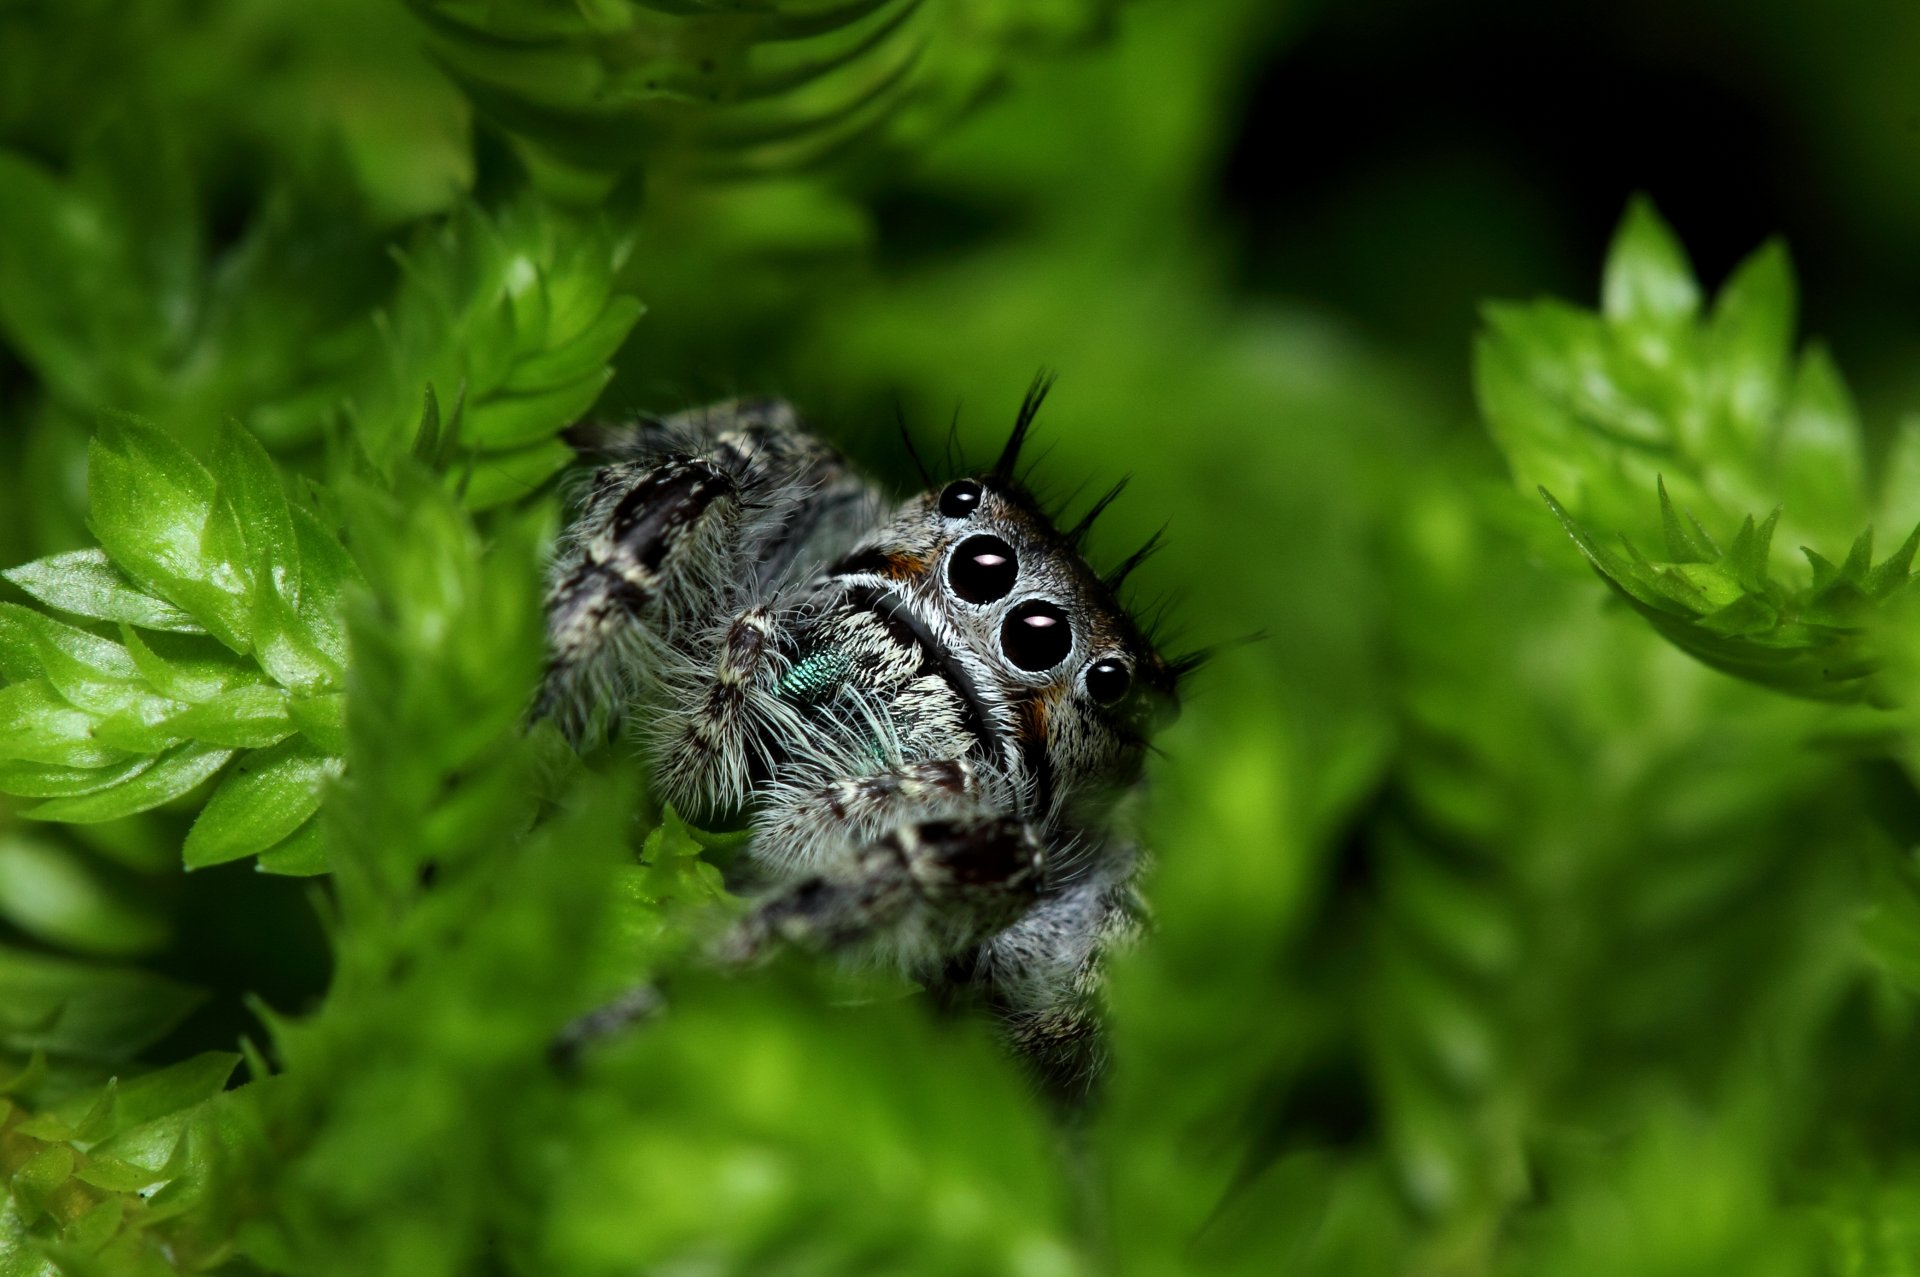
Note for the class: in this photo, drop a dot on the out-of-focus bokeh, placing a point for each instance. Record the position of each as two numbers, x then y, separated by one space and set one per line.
1511 917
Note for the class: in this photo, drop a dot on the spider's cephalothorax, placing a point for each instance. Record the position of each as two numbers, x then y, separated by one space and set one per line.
927 711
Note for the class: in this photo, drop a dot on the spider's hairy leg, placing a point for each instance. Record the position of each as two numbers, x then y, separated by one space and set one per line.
1042 977
636 1006
693 515
919 892
803 824
649 534
724 723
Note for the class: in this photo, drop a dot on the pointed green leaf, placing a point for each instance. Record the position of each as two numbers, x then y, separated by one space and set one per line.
1752 550
326 572
1859 559
151 1096
265 798
155 1110
301 854
1745 615
19 649
286 647
143 728
176 772
57 894
1604 562
249 484
427 442
1817 465
1894 572
582 358
90 673
250 716
503 422
499 477
115 1176
43 780
1686 542
86 1009
1839 603
1648 278
154 509
99 658
1824 573
322 719
85 583
1750 337
1900 478
37 1179
38 726
190 671
1698 587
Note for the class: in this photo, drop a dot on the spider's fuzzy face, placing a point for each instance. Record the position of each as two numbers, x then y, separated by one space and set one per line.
1025 628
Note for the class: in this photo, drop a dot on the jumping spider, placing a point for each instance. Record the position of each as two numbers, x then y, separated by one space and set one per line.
927 709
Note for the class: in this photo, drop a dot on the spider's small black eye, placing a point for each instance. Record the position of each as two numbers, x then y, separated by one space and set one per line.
1036 636
982 569
1108 680
960 499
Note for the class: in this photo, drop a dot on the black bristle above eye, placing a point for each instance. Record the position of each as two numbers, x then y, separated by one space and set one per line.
913 453
1029 409
953 454
1078 532
1187 662
1114 579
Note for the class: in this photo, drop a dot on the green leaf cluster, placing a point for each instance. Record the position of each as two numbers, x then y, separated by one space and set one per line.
123 1179
1713 412
1724 607
512 319
207 630
732 90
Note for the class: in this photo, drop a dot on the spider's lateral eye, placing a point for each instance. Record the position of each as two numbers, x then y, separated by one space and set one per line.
959 499
983 569
1108 680
1036 635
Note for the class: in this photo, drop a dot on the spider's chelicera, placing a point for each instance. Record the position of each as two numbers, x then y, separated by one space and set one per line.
927 710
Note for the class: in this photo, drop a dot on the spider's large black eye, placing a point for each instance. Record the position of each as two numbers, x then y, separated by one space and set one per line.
982 569
960 499
1036 636
1108 680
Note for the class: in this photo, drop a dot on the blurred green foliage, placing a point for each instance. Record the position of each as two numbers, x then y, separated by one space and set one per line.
1711 411
1499 930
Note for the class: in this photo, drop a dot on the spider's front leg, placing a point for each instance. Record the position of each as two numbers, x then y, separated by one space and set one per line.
721 730
969 900
1043 977
916 894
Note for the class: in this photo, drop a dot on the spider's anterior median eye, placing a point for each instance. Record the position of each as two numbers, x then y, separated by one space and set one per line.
1036 635
1108 680
960 499
982 569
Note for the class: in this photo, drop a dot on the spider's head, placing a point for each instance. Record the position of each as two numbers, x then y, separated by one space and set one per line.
1074 681
1037 612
